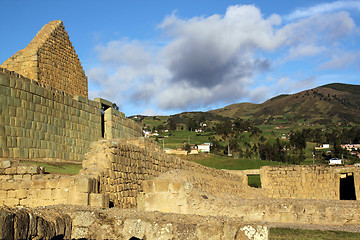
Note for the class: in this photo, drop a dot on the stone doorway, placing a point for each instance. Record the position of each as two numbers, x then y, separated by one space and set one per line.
347 186
103 109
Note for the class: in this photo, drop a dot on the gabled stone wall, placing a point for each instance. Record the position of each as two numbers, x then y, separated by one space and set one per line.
50 58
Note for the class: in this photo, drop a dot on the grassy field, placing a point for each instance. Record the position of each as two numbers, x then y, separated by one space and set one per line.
301 234
224 162
176 139
60 168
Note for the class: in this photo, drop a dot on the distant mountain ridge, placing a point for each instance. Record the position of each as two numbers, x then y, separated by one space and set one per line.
331 103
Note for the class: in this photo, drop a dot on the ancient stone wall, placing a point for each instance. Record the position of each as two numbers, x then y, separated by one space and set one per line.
26 185
38 121
307 182
50 58
122 165
117 126
172 195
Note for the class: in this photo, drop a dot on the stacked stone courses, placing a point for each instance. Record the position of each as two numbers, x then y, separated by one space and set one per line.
50 58
38 121
122 165
306 182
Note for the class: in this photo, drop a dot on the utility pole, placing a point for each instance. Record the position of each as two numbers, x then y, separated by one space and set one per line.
313 158
229 154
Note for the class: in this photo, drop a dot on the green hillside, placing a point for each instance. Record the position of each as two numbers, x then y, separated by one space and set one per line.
330 104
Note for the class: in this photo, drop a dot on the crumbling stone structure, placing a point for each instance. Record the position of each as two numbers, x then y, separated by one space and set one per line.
122 165
27 185
311 182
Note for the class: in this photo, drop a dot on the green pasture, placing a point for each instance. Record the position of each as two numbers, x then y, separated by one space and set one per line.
60 168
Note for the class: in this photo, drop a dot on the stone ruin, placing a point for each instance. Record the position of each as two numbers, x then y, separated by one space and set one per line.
128 188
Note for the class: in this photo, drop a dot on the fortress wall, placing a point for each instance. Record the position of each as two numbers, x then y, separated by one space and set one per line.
122 165
308 182
40 122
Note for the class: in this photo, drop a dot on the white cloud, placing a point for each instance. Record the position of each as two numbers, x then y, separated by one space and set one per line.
341 60
323 8
212 59
301 51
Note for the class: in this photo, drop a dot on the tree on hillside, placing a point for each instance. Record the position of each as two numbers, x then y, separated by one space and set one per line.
192 124
297 140
171 124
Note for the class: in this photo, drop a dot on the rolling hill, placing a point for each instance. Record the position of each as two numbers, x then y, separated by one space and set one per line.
333 103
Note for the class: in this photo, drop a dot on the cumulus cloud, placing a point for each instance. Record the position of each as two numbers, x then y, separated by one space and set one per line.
212 59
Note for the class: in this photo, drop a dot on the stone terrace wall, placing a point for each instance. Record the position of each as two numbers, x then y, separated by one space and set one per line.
308 182
122 165
38 121
26 185
50 58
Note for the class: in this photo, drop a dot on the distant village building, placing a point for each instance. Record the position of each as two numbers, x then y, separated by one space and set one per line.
336 161
204 148
350 147
146 133
323 146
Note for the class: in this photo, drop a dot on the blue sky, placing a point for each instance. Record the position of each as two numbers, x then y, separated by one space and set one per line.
166 57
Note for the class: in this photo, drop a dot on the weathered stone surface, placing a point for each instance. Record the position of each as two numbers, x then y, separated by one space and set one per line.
6 224
51 59
5 164
21 225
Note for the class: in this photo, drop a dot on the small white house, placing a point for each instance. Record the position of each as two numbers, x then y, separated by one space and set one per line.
204 148
325 146
335 161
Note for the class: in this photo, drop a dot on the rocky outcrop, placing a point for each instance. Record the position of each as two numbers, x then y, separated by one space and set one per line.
70 222
21 223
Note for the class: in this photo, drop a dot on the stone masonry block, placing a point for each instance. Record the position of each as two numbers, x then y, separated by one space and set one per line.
60 194
83 185
39 184
161 185
33 170
77 198
5 164
22 169
98 200
11 202
44 194
21 193
4 80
